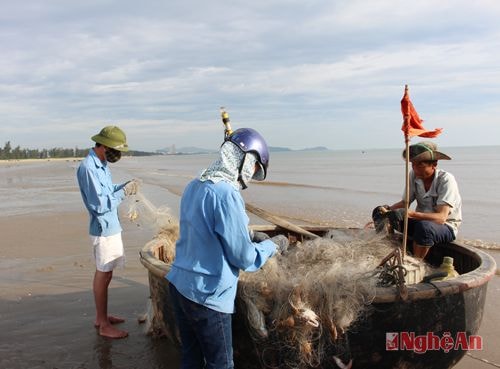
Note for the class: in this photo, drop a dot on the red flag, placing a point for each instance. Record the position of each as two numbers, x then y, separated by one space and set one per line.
412 125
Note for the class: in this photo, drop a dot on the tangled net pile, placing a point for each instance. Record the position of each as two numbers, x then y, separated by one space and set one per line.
301 303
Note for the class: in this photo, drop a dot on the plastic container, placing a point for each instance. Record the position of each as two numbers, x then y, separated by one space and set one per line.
447 266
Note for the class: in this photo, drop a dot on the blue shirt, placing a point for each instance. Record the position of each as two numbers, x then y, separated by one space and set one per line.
214 245
100 196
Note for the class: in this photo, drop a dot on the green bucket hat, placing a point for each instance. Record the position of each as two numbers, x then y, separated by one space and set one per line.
425 151
113 137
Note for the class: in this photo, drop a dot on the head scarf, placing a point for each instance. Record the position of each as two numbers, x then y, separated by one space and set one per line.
227 167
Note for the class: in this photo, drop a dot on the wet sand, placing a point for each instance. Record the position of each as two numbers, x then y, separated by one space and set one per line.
489 330
46 301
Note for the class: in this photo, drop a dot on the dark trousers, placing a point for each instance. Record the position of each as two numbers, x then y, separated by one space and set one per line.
428 233
206 334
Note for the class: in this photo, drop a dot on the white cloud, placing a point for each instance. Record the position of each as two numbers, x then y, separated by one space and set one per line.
166 67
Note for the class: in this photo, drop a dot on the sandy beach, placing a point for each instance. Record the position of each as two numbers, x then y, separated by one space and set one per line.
46 301
46 271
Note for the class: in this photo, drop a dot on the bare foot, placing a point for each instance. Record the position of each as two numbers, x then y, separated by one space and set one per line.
112 320
112 332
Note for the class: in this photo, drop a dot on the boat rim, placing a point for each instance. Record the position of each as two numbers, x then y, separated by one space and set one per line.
475 278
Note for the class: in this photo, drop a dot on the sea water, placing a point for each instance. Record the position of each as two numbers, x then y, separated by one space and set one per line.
337 188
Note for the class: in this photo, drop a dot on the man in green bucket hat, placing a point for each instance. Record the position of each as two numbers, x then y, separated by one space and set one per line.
102 198
438 213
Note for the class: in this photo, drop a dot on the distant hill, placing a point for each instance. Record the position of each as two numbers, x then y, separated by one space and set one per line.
185 150
194 150
140 153
199 150
278 149
316 148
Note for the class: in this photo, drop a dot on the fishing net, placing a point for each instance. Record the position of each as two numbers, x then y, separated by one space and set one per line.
143 213
299 306
301 303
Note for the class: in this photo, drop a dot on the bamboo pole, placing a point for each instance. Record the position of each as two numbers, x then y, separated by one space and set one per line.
407 182
274 219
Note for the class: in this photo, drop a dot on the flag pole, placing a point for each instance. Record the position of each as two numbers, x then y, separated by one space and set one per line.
407 180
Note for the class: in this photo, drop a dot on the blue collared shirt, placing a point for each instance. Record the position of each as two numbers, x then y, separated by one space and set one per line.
214 245
100 196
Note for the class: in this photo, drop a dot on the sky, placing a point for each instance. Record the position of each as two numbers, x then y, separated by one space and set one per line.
303 73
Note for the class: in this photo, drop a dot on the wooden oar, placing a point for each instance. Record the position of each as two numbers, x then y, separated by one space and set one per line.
264 214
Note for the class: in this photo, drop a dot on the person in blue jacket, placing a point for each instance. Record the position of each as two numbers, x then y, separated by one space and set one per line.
101 198
213 246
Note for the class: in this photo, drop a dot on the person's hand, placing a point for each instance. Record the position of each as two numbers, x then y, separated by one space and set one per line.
380 211
131 187
281 243
256 236
379 214
396 218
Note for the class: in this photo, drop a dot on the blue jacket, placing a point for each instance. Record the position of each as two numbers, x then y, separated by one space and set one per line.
214 245
100 196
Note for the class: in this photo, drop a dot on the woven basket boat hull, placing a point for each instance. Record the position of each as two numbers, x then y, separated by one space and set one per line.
453 307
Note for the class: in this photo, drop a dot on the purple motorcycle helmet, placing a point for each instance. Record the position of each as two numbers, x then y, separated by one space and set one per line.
249 140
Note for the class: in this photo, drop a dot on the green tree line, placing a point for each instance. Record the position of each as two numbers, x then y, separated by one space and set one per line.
7 152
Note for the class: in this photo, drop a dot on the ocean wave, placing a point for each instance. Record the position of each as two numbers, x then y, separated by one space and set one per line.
480 244
320 187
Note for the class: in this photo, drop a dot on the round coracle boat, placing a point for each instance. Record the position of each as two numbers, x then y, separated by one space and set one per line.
365 311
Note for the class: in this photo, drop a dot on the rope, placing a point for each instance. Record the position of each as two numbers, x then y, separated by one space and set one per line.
484 360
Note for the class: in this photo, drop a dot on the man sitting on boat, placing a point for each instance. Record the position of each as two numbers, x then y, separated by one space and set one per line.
438 213
213 246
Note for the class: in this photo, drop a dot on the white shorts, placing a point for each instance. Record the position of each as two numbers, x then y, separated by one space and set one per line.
108 252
